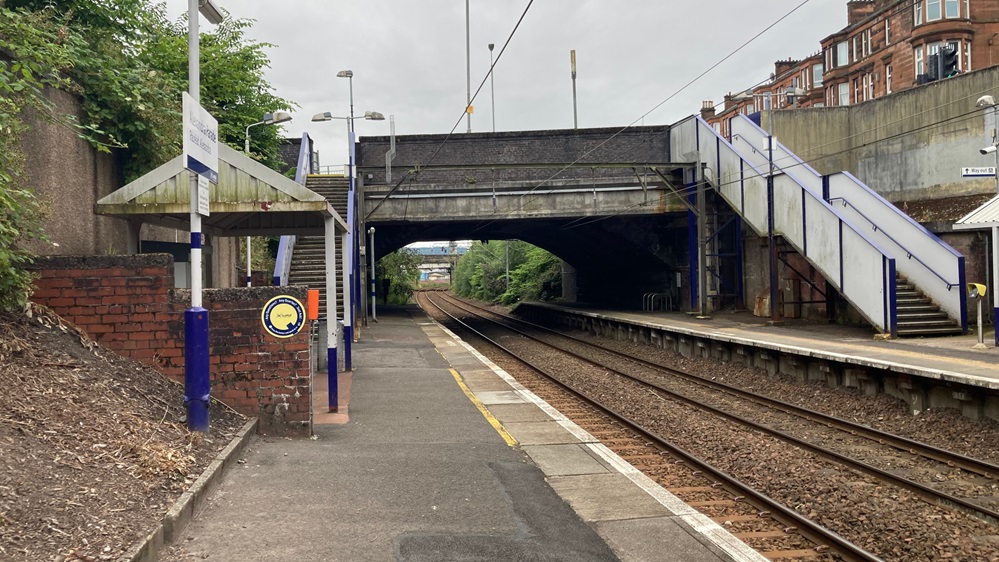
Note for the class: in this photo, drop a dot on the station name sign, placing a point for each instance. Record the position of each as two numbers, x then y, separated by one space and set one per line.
201 140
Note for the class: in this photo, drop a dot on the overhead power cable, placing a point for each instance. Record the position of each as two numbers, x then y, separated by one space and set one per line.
458 122
655 107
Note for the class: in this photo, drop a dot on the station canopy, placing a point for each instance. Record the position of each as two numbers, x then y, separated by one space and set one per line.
250 199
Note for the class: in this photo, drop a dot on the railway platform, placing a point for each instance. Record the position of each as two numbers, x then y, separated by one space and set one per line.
437 454
930 372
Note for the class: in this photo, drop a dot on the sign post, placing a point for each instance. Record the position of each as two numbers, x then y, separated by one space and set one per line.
201 157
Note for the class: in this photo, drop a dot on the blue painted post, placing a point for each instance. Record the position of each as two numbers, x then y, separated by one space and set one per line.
348 253
348 289
995 279
331 327
197 385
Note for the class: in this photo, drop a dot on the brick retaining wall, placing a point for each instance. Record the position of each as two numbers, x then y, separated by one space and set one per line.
129 305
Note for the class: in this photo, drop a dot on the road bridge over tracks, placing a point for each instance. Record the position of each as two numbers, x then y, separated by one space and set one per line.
607 201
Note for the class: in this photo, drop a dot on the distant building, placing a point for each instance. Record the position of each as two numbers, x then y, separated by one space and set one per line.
888 46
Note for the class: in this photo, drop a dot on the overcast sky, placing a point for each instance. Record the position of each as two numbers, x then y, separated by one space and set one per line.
408 59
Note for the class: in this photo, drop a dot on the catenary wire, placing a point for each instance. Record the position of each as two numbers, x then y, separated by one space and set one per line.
477 90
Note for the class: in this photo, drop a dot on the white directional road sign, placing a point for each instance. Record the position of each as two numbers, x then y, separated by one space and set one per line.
201 140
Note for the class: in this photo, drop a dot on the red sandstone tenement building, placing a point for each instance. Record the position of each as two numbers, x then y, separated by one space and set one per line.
885 48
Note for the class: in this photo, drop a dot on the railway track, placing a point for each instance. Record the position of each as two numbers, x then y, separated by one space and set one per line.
909 466
773 530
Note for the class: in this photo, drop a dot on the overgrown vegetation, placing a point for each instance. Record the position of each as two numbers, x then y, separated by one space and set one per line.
535 274
128 64
397 274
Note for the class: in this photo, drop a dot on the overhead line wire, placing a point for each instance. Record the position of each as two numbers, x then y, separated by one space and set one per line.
457 123
658 105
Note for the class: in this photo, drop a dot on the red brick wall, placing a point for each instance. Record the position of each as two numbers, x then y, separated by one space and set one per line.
128 304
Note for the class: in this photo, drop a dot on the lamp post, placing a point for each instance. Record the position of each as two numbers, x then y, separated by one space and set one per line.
351 250
197 377
268 119
492 86
990 102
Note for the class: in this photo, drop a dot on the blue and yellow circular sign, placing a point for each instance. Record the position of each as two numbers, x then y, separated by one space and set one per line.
283 316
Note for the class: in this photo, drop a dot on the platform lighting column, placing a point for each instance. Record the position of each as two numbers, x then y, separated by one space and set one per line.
269 119
348 283
197 377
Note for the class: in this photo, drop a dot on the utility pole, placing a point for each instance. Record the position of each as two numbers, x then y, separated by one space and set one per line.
572 58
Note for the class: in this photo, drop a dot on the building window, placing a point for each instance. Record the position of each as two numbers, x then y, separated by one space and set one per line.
816 75
856 90
844 94
932 10
917 14
870 86
842 55
767 101
951 9
967 57
887 79
865 43
918 52
887 31
856 54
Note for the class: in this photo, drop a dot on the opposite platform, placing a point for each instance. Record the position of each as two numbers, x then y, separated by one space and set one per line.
948 358
423 470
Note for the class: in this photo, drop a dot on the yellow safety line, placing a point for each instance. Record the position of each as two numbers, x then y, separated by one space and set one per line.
485 412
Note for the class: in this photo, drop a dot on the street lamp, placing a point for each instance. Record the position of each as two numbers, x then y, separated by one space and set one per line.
351 254
269 119
349 75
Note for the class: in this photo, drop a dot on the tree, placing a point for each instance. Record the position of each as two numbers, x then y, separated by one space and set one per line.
399 273
129 66
535 274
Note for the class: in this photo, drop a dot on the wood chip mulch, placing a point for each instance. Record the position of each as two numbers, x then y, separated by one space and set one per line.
93 446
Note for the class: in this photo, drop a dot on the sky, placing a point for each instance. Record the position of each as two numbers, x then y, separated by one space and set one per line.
637 61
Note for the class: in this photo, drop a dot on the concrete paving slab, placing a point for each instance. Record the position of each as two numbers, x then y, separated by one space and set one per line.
512 413
657 539
501 397
565 460
540 433
606 497
484 381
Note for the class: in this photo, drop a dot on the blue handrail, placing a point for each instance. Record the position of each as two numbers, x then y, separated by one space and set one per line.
282 266
909 253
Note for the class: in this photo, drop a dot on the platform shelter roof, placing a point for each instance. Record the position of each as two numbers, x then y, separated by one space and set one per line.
250 199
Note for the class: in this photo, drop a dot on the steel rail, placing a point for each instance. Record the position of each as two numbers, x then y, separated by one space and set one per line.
806 527
938 454
928 494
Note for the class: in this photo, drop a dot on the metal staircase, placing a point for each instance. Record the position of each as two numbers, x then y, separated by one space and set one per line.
860 243
308 262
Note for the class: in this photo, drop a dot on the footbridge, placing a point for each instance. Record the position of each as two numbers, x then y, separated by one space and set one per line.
677 211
